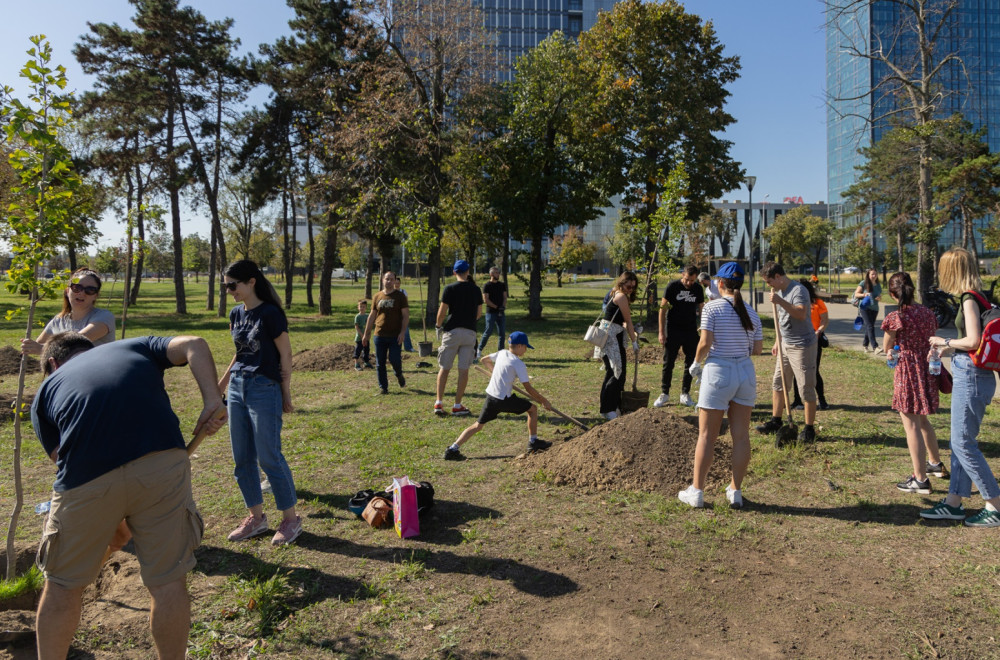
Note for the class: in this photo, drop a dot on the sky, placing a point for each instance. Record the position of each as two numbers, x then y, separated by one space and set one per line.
778 102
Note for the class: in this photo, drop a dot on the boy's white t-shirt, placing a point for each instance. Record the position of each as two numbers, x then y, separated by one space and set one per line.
506 367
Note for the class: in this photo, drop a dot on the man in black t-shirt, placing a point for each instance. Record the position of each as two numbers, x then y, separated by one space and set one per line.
679 309
495 299
461 306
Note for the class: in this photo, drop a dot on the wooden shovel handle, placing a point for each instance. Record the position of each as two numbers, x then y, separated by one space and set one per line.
203 433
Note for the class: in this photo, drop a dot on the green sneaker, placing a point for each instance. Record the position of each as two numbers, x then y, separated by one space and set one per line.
984 518
942 511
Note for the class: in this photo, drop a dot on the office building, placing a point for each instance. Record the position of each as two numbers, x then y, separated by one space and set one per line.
855 118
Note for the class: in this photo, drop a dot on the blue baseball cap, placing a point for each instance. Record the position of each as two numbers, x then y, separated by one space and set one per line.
519 338
461 266
731 271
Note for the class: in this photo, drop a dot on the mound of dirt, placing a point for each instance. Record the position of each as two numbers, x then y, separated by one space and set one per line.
10 361
335 357
650 450
652 353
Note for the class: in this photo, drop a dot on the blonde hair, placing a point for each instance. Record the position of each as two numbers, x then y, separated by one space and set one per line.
958 272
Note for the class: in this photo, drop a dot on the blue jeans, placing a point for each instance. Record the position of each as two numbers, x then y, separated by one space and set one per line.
869 316
493 321
407 343
387 347
255 436
972 392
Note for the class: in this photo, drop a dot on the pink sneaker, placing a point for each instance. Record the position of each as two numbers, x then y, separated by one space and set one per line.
288 531
248 528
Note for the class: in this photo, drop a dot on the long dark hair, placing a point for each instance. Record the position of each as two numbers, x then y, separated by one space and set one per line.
733 285
243 270
78 275
869 283
627 276
810 288
902 289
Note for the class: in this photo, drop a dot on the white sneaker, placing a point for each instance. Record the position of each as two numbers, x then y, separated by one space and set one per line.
686 400
692 496
735 497
265 486
611 415
661 401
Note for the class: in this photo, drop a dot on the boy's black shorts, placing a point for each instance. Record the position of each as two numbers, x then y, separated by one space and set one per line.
494 406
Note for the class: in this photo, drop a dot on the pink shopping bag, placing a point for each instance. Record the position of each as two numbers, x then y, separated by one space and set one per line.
404 507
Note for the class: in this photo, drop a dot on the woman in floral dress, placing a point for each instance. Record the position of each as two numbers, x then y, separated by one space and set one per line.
915 390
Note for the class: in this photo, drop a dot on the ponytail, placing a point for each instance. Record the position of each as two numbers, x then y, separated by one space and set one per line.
902 289
738 305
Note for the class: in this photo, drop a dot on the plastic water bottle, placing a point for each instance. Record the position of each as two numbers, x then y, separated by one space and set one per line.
893 357
934 363
43 507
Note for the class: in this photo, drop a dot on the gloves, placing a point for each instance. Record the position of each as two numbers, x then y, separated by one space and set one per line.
438 332
695 370
635 345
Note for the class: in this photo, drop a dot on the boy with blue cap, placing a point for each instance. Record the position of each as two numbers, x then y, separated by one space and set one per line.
506 365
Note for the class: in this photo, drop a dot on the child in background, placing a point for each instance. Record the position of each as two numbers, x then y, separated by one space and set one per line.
506 365
360 350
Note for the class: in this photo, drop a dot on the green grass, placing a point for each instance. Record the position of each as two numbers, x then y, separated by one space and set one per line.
31 581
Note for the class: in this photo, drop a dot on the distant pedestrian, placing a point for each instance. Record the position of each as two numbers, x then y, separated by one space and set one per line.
506 366
495 302
460 309
730 333
710 286
361 351
258 384
798 349
387 328
915 390
866 299
679 309
972 391
619 315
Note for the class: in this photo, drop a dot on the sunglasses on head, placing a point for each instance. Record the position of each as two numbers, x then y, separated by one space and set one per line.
231 286
79 288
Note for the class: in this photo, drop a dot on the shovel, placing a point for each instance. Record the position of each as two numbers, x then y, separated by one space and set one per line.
788 433
528 396
636 399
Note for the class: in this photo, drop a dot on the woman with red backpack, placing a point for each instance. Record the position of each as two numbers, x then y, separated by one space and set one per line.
958 274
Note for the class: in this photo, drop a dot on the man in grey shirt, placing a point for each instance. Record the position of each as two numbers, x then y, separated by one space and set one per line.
798 349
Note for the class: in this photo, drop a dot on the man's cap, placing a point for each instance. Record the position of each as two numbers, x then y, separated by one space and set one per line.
731 271
519 338
461 266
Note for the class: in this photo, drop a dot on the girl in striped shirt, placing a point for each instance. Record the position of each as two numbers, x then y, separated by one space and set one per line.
730 333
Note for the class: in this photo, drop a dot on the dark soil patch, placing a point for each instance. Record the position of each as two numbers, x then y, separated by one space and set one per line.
335 357
10 361
651 354
650 450
7 406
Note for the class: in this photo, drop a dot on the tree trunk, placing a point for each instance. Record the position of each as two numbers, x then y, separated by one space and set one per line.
434 271
173 189
370 270
140 230
326 268
535 279
925 265
286 261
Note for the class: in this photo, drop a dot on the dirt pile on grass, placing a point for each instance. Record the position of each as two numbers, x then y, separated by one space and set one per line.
335 357
10 361
650 450
652 353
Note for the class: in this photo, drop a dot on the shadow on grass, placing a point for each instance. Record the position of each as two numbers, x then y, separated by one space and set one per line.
905 515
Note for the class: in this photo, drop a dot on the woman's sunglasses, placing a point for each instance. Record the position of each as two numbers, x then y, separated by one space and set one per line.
231 286
79 288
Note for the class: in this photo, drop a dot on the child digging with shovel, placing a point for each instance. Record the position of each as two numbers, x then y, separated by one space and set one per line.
506 365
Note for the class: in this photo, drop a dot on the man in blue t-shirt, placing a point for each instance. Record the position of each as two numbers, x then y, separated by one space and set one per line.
103 416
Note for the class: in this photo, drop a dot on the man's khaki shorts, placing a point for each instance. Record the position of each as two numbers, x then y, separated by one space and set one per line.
153 495
460 342
799 361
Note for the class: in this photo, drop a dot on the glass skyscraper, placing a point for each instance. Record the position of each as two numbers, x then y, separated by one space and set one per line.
520 25
856 117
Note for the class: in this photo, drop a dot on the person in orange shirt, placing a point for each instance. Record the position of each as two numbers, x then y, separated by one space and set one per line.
820 319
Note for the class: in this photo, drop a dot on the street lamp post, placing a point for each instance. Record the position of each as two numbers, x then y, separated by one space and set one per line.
751 181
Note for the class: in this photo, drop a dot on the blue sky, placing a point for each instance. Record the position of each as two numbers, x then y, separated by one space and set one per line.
779 136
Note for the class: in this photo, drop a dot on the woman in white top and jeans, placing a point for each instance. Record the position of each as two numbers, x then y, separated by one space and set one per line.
730 333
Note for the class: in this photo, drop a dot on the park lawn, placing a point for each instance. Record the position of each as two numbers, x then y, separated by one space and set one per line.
831 561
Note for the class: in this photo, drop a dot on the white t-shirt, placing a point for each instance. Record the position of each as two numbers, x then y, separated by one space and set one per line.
729 339
712 291
506 367
60 324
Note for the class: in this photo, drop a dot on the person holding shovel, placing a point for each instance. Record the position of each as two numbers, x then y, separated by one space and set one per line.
104 417
619 314
730 333
506 365
797 350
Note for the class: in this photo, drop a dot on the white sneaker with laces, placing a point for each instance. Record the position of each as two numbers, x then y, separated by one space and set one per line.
611 415
686 400
692 497
661 401
735 497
